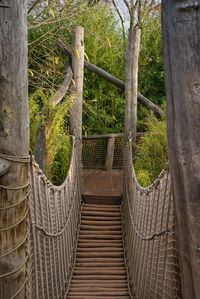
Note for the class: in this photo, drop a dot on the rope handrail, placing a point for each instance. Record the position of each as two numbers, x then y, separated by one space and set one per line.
139 234
54 217
57 234
149 233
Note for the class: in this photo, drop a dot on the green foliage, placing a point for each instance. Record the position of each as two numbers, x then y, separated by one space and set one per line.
37 100
58 144
152 152
103 103
151 72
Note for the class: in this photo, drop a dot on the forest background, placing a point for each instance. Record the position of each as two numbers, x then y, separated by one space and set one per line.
106 26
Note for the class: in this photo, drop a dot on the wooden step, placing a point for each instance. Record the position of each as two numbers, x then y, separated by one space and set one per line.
102 199
106 283
100 249
96 297
105 293
101 223
94 277
101 264
101 208
99 270
101 218
100 213
100 236
100 232
100 227
100 205
99 244
99 254
99 260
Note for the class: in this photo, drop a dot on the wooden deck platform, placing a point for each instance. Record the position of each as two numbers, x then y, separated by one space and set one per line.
104 187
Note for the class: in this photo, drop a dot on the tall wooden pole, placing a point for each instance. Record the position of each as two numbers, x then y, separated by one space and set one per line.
132 56
77 88
181 41
14 141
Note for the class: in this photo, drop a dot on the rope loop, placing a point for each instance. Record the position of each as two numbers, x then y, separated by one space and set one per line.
18 159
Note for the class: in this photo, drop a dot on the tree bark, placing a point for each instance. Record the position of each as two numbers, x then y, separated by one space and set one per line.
14 141
132 56
77 88
95 69
181 40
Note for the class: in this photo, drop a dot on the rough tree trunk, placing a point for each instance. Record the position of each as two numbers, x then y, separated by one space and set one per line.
132 56
181 40
77 87
14 141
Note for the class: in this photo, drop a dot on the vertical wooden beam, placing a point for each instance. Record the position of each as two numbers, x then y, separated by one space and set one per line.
14 141
181 41
77 88
132 56
110 153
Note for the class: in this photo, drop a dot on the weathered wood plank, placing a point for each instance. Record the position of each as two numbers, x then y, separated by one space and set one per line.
14 141
93 68
181 40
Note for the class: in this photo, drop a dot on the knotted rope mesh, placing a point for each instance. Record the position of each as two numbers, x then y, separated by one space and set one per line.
149 234
54 218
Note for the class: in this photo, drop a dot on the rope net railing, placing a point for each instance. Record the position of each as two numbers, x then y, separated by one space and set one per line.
54 219
149 234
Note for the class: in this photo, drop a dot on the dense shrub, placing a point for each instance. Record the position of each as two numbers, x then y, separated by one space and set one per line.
152 152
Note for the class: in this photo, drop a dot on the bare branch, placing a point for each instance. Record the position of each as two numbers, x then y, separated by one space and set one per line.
120 16
33 6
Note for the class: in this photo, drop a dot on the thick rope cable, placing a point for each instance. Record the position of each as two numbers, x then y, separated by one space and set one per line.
15 188
18 159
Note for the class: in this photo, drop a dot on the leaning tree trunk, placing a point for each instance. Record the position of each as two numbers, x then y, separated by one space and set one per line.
181 41
14 147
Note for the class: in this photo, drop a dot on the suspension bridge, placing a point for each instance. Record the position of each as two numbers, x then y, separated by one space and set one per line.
100 234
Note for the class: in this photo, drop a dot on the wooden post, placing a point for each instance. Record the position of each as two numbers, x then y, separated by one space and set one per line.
132 56
110 153
181 41
77 88
14 141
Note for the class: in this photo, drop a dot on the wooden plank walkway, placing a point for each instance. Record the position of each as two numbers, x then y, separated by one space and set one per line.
105 187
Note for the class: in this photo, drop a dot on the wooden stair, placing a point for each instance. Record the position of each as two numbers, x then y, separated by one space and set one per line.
99 270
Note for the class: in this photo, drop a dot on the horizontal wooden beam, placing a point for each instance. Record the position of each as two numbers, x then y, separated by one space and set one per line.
95 69
114 135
